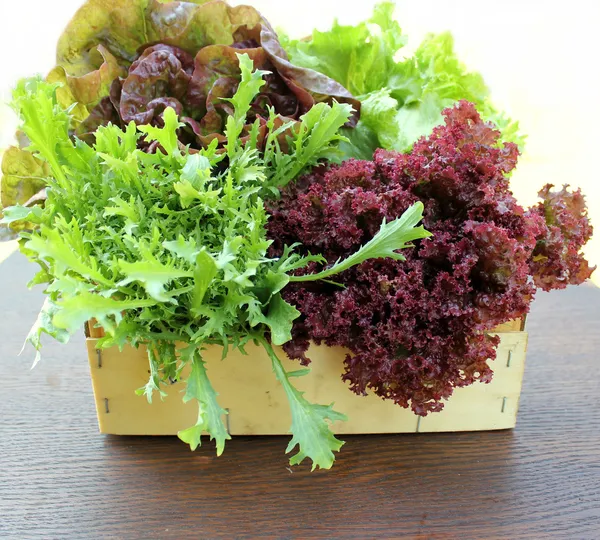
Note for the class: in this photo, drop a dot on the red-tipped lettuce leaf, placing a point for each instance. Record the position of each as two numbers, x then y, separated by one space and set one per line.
127 60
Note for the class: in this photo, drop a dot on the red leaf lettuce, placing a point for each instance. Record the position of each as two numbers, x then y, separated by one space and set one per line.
418 329
127 60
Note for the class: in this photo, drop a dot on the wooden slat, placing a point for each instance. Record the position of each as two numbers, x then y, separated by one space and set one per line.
94 330
516 325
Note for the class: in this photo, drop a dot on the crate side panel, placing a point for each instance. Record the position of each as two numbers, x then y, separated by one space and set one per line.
486 406
258 405
115 379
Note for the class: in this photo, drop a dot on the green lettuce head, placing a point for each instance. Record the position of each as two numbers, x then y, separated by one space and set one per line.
401 99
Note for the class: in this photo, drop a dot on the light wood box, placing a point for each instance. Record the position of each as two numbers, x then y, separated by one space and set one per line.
258 405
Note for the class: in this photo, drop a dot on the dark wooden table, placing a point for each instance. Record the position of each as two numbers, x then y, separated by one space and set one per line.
60 479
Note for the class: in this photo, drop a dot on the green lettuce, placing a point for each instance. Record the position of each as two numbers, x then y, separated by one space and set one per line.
401 100
171 247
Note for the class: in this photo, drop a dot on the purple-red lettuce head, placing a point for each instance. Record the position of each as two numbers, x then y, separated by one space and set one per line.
417 329
556 260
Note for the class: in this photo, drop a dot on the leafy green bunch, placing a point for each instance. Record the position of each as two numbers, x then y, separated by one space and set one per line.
402 99
169 250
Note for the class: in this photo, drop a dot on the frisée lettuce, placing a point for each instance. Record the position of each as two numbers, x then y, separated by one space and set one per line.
171 247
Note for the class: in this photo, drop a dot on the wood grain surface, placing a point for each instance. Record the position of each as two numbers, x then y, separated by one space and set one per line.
60 479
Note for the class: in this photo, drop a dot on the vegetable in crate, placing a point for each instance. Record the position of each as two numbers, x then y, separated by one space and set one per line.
417 329
170 247
402 99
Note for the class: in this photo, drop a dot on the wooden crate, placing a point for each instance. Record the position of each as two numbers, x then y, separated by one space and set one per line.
258 405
